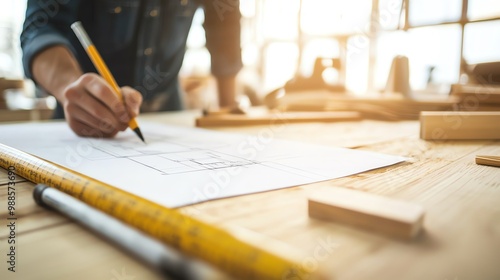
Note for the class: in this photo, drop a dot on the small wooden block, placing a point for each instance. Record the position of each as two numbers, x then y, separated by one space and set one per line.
488 160
368 211
459 125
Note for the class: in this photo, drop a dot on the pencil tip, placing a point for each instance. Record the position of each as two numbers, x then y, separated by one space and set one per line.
139 133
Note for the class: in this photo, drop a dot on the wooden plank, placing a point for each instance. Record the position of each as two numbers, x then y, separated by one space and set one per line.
70 251
373 212
478 94
462 228
277 118
384 107
459 125
441 176
30 216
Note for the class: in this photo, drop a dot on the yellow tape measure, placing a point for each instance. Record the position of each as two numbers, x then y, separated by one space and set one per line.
189 235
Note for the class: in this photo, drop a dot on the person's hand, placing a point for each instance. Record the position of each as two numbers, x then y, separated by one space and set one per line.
92 109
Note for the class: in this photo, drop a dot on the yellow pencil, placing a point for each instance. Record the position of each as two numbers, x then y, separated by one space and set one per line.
101 67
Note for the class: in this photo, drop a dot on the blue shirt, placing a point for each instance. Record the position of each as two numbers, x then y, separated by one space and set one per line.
143 42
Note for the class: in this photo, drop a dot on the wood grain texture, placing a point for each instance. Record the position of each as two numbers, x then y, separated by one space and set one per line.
461 233
69 251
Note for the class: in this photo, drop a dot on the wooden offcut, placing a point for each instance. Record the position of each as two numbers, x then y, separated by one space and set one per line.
367 211
460 125
488 160
476 94
276 118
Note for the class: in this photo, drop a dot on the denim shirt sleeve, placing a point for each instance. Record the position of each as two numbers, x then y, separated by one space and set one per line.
222 29
47 24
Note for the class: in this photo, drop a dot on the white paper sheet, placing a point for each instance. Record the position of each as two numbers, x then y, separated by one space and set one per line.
180 166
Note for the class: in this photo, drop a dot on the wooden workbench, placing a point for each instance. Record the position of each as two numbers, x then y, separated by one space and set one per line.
461 199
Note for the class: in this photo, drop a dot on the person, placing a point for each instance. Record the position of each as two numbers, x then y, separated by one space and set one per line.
143 43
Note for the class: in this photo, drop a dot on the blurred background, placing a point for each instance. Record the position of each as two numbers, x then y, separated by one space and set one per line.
348 43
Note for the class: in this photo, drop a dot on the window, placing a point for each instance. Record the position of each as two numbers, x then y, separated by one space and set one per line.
480 43
434 12
483 9
11 19
438 37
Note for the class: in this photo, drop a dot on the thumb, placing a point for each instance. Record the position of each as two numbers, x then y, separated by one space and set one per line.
133 100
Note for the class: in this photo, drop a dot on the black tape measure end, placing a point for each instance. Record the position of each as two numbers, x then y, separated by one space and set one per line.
37 194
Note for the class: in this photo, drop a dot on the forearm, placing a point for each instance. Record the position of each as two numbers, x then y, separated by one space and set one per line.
224 44
226 87
54 69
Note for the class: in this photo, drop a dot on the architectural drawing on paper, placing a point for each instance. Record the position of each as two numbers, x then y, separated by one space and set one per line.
168 156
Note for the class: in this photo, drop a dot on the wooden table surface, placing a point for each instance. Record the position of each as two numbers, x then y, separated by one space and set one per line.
461 239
